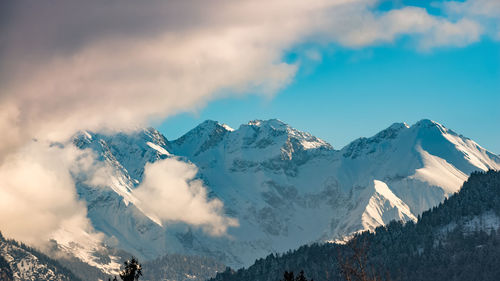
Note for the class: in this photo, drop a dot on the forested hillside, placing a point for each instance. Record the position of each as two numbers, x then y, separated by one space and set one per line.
181 268
20 262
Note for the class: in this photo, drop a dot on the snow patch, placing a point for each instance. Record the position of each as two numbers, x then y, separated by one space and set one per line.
473 152
384 206
439 172
225 126
158 148
487 222
89 136
86 247
311 144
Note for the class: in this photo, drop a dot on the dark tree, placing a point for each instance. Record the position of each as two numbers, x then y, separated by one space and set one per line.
132 271
354 266
301 276
288 276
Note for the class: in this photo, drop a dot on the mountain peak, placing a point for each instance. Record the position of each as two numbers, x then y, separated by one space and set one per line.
211 125
272 123
427 123
391 132
265 139
275 129
206 127
398 126
208 124
207 134
425 130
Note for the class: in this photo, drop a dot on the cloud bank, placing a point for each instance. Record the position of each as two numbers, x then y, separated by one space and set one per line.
71 65
170 193
37 194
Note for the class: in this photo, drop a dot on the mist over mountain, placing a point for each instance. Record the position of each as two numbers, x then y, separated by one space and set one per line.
20 262
262 188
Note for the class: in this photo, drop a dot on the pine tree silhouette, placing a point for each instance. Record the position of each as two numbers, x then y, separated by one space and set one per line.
289 276
355 267
132 271
301 276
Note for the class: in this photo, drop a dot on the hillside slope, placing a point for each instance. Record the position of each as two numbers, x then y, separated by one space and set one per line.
19 262
457 240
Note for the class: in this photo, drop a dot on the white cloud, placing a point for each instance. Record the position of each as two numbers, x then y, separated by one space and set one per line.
368 28
171 193
37 194
487 8
485 12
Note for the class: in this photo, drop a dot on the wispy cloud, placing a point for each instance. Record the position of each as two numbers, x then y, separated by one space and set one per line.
171 193
484 12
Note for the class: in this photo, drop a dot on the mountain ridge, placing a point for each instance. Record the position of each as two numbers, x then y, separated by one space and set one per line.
274 179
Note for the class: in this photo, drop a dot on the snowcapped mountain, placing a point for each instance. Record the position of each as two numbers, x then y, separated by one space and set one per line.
286 187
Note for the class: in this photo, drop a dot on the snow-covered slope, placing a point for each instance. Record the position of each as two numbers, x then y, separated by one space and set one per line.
422 164
23 263
285 187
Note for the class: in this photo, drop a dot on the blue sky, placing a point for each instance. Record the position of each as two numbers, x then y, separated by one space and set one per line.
354 93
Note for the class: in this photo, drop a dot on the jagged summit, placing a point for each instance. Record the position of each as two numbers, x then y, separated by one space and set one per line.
128 151
269 138
273 123
391 132
398 126
426 123
424 133
203 137
203 129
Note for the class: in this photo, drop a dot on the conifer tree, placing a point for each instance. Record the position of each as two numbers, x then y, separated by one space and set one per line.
132 271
